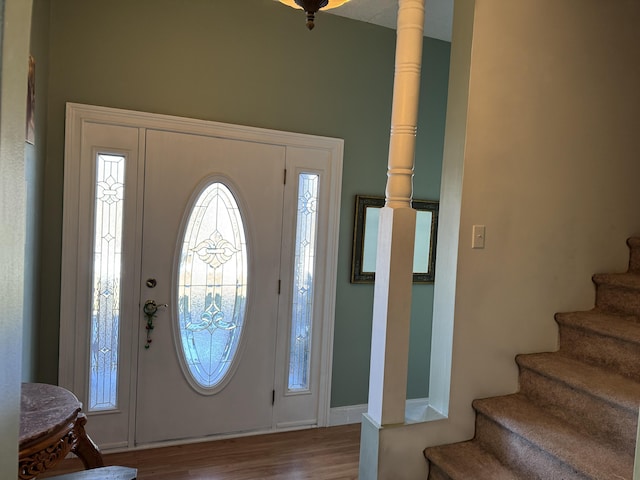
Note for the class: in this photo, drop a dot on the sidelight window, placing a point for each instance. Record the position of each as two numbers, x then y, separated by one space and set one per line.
303 282
105 302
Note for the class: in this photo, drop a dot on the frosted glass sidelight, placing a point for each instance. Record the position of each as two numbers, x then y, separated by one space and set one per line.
303 282
105 302
212 286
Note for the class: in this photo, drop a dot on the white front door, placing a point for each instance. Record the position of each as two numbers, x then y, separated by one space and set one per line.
198 281
211 253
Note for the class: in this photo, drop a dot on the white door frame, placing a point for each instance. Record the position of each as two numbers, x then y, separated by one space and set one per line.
72 372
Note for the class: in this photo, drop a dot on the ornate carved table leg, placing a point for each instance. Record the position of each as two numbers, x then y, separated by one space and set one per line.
45 454
84 447
52 425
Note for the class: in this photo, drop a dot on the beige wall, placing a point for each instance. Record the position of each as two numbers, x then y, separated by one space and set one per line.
550 166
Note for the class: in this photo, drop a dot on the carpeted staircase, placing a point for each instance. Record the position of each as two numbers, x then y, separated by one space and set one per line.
576 414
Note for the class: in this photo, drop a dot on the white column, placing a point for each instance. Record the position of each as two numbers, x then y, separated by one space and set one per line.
394 261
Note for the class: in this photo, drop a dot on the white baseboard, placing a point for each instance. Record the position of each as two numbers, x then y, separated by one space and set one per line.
346 415
353 413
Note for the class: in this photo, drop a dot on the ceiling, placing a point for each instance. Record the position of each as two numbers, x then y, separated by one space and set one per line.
438 15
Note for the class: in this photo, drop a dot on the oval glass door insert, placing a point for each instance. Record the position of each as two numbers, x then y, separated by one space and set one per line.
212 286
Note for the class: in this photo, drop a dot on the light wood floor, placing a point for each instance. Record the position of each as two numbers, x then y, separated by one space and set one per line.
321 453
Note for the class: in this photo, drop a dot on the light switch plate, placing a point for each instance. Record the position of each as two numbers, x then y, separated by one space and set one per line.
478 236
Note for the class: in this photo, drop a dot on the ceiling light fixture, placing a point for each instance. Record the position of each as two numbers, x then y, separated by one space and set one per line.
312 6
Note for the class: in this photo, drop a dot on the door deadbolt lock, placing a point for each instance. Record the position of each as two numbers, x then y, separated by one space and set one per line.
151 282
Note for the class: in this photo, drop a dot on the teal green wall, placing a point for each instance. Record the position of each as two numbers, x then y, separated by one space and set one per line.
35 157
249 62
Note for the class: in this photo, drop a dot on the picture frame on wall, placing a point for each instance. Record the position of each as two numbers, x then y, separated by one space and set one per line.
365 239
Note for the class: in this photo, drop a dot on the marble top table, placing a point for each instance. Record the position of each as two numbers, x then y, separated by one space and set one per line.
51 426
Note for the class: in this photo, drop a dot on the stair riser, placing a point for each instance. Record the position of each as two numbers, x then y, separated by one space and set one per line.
436 474
613 422
523 457
618 299
634 255
634 260
617 355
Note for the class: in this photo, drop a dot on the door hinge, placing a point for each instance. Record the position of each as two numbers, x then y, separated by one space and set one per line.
273 397
279 285
285 176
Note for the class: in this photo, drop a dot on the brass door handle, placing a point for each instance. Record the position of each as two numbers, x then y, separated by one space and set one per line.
150 309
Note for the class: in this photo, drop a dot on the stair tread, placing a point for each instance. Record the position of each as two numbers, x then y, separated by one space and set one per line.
466 460
556 437
622 327
630 280
597 381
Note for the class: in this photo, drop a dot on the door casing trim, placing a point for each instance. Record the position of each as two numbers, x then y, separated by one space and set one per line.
78 115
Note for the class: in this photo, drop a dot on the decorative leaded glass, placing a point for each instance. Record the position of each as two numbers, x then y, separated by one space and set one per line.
303 282
107 257
212 285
